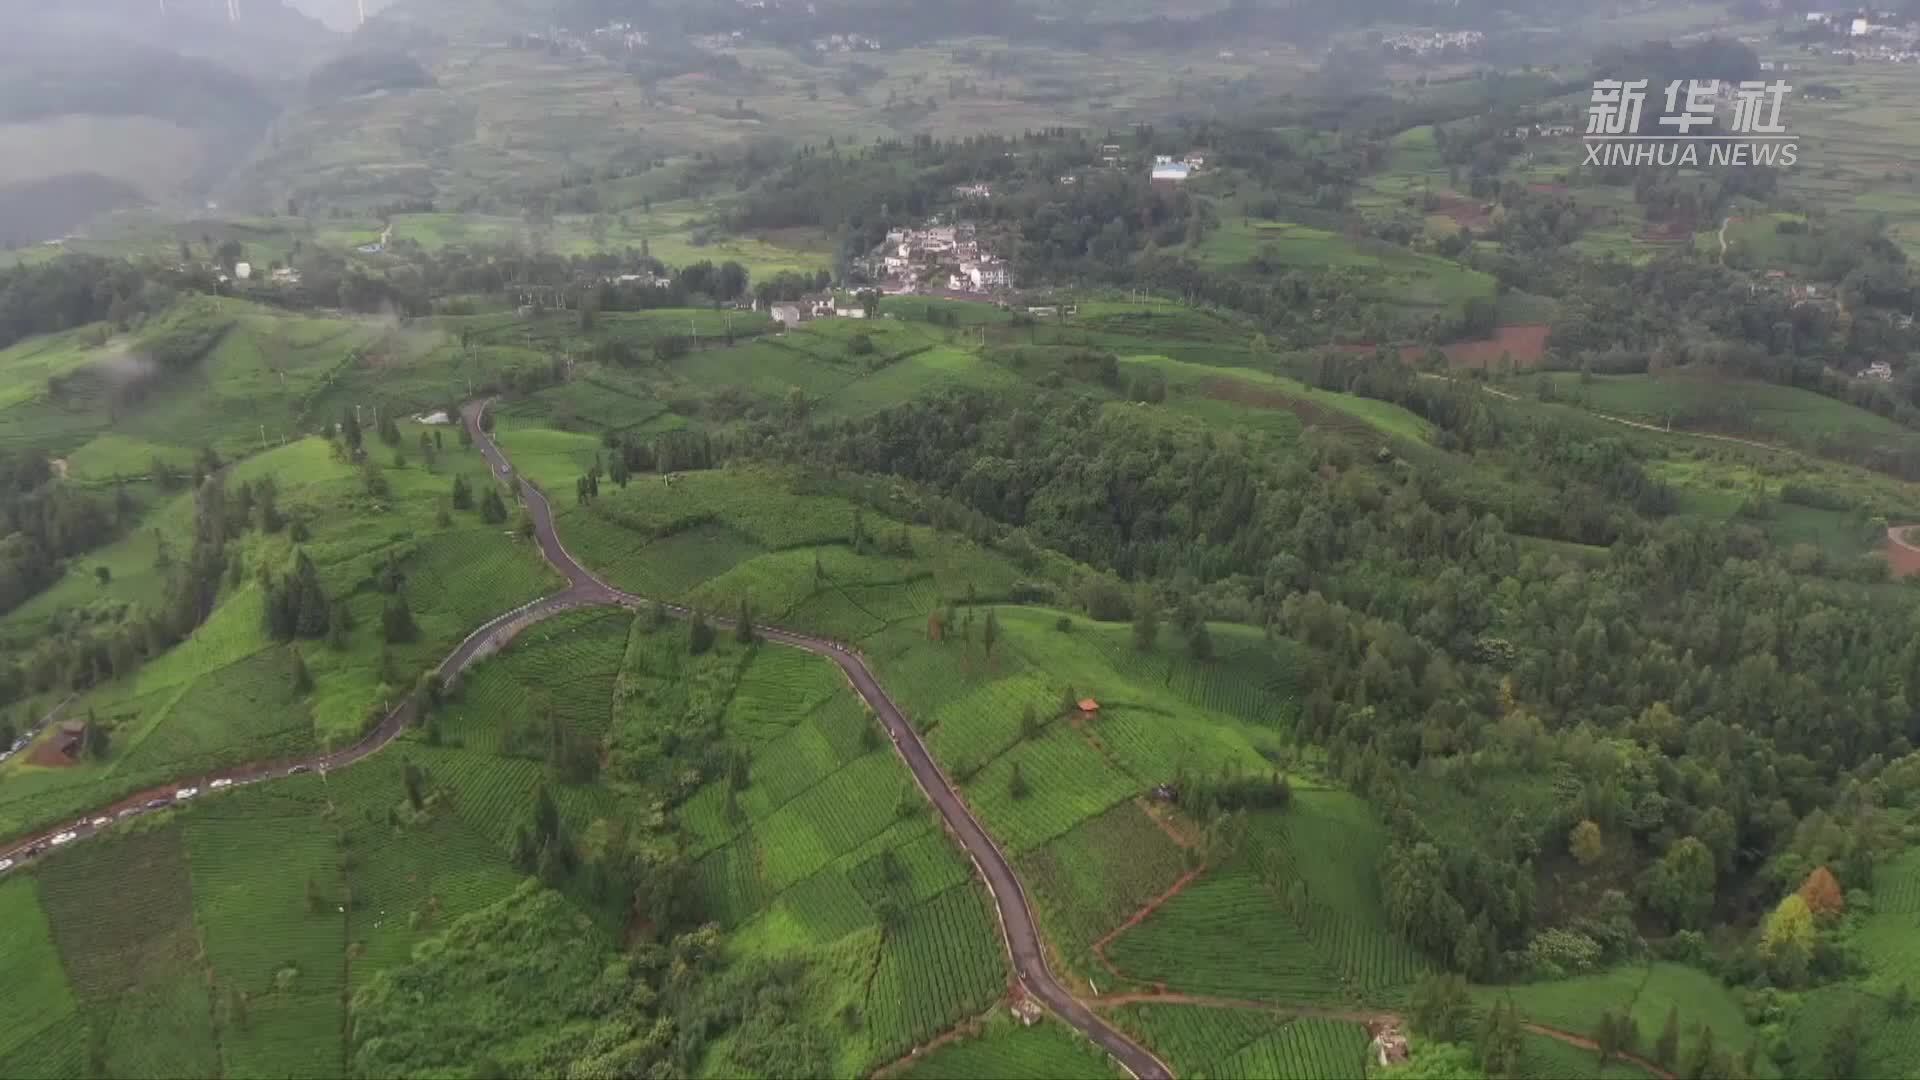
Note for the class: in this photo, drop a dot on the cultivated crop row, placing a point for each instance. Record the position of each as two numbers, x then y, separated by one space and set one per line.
941 963
1091 879
1066 781
827 906
1305 1049
1224 935
1192 1038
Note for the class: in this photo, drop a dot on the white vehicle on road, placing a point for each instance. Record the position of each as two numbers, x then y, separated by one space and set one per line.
101 822
62 838
220 783
5 865
186 793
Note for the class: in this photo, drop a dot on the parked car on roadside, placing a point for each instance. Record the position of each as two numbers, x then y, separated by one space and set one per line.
186 793
62 838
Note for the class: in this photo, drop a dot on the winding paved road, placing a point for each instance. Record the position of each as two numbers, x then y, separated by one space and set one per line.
1016 915
583 589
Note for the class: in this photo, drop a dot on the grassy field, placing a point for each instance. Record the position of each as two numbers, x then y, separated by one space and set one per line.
1386 273
1763 411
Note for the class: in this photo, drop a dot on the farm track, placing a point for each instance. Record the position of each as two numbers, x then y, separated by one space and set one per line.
1354 1016
1508 396
1018 928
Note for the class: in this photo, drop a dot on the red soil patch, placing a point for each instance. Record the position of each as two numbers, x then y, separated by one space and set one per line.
1902 558
47 755
1526 342
1465 212
1665 232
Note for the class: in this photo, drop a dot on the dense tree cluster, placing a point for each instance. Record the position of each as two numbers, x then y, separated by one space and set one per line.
1692 695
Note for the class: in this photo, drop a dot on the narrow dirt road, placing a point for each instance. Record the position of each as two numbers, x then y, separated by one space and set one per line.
1021 934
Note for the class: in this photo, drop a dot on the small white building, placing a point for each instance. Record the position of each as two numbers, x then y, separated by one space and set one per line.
243 271
1860 28
787 315
986 275
1171 172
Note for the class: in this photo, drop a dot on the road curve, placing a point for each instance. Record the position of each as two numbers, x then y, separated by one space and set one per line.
1016 914
1021 935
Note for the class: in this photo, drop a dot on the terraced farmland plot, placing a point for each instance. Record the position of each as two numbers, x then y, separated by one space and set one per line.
58 1052
727 880
1304 1049
670 567
1329 842
765 370
929 864
786 767
773 584
121 912
982 723
37 998
758 502
491 794
1194 1038
835 614
1088 880
490 702
1225 935
844 721
108 900
1067 781
264 940
1154 747
777 691
826 906
471 575
1049 1050
942 962
919 678
831 818
243 712
914 377
1248 678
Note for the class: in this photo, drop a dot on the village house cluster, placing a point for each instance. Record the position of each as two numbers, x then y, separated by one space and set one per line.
1884 36
937 258
845 43
1433 42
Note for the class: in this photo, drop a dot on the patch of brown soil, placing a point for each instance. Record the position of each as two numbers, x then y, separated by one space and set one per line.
47 755
1525 342
1903 558
1467 213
